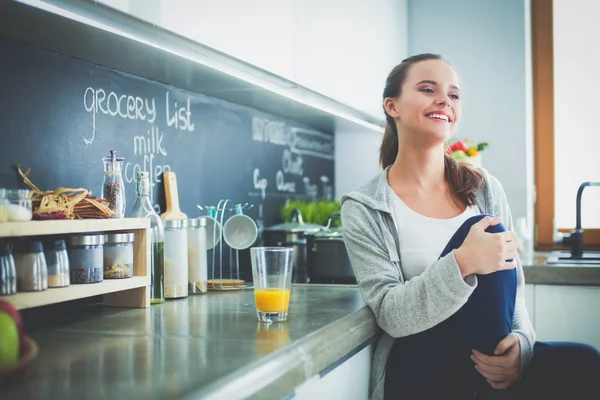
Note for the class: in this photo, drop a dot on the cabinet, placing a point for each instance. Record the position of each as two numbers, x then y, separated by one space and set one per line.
568 313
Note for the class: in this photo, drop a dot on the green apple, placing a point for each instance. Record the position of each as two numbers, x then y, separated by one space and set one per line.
459 155
9 341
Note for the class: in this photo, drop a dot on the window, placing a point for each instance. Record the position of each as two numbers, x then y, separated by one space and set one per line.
566 139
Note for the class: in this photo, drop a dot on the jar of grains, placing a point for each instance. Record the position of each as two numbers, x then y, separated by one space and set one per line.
118 255
86 258
176 258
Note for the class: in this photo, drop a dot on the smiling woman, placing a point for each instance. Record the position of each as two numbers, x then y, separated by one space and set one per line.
431 244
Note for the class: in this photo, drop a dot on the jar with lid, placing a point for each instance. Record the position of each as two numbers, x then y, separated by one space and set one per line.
86 258
17 205
8 273
3 203
57 261
30 263
176 258
197 271
118 255
112 186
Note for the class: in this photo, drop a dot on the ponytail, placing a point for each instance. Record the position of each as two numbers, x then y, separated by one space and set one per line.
464 180
389 145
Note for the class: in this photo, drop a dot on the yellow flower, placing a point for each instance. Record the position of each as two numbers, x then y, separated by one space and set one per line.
472 152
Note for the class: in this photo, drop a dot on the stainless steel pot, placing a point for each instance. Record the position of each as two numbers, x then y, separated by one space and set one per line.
292 234
327 257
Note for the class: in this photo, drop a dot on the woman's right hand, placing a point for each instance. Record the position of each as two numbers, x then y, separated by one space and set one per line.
483 253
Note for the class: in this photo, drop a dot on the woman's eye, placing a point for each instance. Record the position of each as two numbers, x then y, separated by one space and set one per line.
427 90
454 96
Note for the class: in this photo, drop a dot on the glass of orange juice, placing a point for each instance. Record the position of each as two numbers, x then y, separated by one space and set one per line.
272 276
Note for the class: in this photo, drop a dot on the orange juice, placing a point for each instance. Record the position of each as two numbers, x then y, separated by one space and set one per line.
272 299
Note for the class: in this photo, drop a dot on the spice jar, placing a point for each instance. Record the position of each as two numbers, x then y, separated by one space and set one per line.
118 255
57 261
176 258
8 273
17 205
85 258
197 275
30 263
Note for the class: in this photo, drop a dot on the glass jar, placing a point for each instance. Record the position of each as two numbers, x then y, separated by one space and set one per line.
17 205
8 272
176 258
3 203
197 275
86 258
30 263
112 186
57 261
118 255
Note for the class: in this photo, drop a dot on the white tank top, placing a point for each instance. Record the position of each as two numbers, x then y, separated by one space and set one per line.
422 239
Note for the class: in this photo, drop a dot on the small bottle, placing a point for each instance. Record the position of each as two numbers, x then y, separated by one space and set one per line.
57 261
112 187
176 258
197 269
143 209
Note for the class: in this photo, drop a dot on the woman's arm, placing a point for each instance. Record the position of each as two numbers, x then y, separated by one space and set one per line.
401 309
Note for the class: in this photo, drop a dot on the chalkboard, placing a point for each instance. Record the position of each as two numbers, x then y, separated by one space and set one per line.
60 115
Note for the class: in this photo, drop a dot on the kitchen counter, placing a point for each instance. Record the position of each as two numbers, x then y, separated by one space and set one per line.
538 271
209 346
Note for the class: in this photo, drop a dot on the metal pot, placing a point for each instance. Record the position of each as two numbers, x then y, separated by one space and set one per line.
327 258
292 234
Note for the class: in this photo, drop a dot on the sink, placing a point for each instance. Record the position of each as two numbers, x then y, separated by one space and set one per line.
564 257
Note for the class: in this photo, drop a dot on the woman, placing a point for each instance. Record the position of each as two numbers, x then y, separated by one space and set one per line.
435 265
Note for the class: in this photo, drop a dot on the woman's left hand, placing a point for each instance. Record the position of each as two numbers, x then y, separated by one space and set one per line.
502 369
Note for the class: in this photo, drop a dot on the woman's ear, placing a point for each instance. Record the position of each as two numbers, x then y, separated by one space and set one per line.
389 104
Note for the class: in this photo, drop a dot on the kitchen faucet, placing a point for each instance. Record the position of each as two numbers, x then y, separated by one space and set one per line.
574 239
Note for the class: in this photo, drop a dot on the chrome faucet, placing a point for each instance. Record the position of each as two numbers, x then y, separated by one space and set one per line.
574 239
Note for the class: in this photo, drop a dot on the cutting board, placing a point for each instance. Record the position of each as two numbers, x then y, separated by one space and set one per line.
171 197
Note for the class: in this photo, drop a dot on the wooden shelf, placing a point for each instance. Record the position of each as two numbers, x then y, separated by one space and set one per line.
128 292
61 227
58 295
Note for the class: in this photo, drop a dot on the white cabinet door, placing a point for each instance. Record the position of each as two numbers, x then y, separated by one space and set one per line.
568 313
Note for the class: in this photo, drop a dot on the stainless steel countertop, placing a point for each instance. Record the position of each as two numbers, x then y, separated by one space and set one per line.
538 271
206 346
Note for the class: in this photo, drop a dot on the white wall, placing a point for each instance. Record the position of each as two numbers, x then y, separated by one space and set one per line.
488 44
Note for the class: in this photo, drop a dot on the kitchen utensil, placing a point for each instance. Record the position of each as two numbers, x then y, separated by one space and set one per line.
240 231
172 197
327 257
292 234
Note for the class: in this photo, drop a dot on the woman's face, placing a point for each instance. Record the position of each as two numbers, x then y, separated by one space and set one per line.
429 105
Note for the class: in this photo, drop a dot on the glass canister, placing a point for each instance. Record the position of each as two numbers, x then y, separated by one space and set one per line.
3 203
30 263
8 273
57 261
112 186
176 258
17 205
197 275
86 258
118 255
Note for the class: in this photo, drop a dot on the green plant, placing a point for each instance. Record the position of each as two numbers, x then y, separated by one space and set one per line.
313 212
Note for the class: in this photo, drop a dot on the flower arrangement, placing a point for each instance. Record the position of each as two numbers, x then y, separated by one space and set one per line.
466 150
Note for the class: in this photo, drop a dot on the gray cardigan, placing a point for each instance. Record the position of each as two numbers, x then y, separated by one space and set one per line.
405 308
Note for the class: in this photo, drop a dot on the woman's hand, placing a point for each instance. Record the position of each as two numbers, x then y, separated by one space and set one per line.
483 252
502 369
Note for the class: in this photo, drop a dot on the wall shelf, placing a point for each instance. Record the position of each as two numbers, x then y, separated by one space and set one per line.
127 292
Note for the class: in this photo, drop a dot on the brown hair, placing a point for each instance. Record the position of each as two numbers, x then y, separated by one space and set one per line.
464 180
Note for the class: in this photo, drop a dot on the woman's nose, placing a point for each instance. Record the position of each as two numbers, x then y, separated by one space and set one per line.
444 101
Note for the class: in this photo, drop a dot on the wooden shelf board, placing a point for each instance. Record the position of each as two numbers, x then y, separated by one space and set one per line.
59 227
58 295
